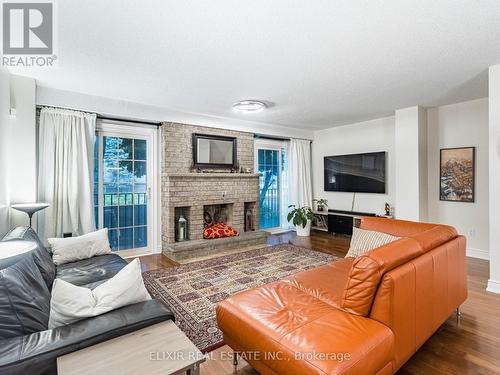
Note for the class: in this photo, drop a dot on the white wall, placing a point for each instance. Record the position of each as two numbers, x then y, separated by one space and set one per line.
411 163
422 163
461 125
23 146
494 177
368 136
17 148
4 124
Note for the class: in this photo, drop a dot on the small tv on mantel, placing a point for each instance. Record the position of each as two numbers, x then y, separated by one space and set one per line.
356 173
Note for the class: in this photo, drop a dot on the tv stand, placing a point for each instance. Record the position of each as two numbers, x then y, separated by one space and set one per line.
351 213
340 221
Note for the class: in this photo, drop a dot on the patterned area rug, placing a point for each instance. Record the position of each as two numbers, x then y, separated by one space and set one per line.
193 290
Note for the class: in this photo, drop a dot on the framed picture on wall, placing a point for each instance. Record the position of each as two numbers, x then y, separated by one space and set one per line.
457 174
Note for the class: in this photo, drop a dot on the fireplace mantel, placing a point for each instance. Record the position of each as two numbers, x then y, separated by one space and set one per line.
212 175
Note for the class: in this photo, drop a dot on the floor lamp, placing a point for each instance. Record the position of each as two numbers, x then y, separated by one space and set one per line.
30 208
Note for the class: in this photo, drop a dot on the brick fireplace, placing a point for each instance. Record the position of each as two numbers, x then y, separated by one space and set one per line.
231 197
193 194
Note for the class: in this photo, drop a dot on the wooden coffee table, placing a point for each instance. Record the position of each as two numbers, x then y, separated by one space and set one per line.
159 349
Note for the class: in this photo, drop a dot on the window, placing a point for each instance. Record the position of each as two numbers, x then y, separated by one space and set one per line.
123 185
273 202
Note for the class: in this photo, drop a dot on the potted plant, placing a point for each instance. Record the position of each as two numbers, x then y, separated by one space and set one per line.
301 217
321 204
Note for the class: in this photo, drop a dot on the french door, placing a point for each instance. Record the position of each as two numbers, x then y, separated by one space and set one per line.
124 186
270 162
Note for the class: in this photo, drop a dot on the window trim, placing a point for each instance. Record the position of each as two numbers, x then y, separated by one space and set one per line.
117 128
281 146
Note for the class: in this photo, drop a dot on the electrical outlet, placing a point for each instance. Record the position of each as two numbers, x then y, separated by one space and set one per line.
472 233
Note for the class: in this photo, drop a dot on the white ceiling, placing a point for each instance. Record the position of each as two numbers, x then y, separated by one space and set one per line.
321 63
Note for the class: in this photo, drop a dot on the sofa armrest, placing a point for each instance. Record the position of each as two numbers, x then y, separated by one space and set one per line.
37 353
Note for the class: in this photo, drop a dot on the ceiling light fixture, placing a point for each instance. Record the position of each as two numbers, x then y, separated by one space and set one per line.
249 106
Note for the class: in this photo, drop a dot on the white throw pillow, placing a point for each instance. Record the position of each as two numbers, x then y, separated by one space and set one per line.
363 241
71 249
70 303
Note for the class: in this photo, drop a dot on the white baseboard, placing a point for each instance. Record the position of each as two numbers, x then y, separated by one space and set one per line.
478 253
493 286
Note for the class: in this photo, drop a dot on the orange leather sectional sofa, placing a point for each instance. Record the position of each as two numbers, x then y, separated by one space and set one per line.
365 315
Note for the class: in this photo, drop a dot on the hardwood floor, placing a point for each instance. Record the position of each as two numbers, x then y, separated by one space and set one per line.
156 261
466 345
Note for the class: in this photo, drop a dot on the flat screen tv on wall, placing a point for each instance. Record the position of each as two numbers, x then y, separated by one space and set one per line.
356 173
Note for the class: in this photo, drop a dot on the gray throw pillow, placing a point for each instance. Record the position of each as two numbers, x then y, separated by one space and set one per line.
24 300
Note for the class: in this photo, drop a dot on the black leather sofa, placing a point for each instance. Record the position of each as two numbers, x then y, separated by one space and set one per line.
36 353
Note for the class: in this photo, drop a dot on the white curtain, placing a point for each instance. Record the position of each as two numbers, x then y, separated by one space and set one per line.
299 172
65 172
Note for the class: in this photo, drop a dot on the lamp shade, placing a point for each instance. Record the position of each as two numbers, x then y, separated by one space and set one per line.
29 208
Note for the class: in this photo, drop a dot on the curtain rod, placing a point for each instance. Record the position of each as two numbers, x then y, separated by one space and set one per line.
103 117
276 138
145 122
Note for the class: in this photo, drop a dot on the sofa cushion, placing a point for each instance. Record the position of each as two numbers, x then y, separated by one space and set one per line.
70 303
428 235
292 332
434 237
365 240
41 256
326 283
13 251
24 299
23 233
91 271
37 354
399 228
368 269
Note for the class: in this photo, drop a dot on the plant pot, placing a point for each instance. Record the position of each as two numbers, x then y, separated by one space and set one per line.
320 208
304 232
